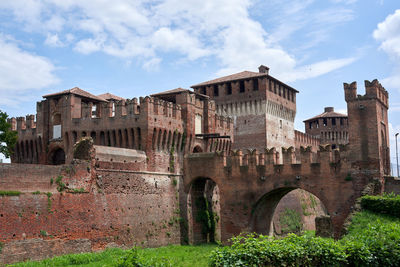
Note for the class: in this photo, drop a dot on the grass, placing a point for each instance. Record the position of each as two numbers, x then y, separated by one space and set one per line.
10 193
173 255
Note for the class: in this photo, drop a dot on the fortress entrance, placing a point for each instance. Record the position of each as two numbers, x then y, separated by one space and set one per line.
286 210
204 212
58 157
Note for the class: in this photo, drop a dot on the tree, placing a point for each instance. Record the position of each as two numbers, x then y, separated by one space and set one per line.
8 137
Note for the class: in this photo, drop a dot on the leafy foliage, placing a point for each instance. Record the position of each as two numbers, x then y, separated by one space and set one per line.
290 221
10 193
386 204
253 250
8 138
372 240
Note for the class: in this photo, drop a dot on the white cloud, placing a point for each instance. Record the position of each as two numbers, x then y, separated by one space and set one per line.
388 33
194 29
53 40
317 69
21 71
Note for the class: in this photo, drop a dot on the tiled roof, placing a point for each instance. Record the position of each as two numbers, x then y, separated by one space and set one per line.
173 91
233 77
77 91
108 96
330 114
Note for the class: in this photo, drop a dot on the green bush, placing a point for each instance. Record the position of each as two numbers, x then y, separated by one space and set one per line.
253 250
386 204
373 240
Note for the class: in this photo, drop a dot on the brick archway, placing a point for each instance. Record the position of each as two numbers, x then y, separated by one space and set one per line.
203 204
264 209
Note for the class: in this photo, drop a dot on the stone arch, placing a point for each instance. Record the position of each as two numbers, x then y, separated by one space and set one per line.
203 205
93 136
57 156
197 149
264 209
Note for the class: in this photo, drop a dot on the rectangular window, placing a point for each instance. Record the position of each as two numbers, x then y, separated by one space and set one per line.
325 122
310 123
216 93
333 121
255 84
241 87
94 111
56 131
270 85
113 110
228 88
203 91
198 129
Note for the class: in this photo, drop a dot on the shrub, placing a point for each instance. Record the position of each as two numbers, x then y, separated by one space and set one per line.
386 204
252 250
373 240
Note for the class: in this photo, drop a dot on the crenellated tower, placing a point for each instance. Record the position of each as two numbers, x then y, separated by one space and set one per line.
368 125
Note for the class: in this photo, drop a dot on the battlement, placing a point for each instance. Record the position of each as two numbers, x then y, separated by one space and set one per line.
22 123
304 160
303 139
372 90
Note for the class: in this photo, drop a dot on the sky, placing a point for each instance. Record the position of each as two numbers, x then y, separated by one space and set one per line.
136 48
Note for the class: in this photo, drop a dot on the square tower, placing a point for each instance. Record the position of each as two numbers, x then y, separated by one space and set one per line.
262 107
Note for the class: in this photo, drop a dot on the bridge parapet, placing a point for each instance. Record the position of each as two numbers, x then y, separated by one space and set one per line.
325 157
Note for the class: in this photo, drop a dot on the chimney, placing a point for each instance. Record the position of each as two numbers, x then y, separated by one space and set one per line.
263 69
329 109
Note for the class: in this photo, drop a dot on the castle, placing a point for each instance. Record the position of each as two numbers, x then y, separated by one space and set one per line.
153 165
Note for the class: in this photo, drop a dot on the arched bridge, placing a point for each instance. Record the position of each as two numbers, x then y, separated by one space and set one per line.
250 185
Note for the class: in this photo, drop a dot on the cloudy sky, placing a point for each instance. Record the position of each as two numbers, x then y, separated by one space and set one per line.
134 48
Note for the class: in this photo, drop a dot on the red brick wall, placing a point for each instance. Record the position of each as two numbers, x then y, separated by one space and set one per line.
122 207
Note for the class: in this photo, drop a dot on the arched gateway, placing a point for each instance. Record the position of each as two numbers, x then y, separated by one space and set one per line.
251 184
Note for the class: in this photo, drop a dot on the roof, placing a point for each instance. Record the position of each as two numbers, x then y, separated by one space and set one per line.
76 91
241 76
108 96
178 91
329 114
173 91
237 76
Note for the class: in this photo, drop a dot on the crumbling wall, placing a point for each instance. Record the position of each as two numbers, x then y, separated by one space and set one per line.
79 208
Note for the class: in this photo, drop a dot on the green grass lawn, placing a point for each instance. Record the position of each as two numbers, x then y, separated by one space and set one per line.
173 255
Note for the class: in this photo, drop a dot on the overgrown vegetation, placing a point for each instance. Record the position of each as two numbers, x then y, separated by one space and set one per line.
372 240
177 256
205 216
290 221
386 204
60 185
253 250
77 191
10 193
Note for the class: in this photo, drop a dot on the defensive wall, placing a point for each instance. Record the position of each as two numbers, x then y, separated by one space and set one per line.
114 195
87 205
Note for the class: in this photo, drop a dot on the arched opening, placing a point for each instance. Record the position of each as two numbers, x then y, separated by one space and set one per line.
197 149
102 139
93 136
287 210
204 212
58 157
